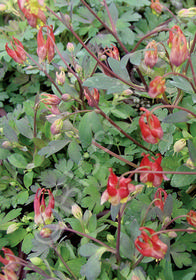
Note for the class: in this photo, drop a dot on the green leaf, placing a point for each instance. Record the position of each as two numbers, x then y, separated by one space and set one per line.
102 81
192 151
179 180
181 83
92 268
24 127
90 123
18 161
134 58
4 153
28 179
16 237
180 116
74 151
88 249
11 215
181 258
53 147
22 197
117 68
27 243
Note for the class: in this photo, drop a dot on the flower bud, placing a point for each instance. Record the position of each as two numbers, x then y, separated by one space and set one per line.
56 127
6 144
70 47
65 97
36 261
172 234
2 7
76 211
190 164
187 13
60 78
179 145
45 232
12 228
78 69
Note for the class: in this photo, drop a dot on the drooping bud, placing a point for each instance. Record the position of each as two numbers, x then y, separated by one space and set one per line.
179 145
190 164
45 232
60 78
157 87
65 97
156 7
151 56
187 13
17 53
45 47
76 211
95 94
70 47
56 127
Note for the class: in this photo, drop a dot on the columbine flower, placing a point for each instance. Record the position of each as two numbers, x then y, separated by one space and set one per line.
156 7
174 30
191 218
33 10
51 102
9 260
179 52
157 87
150 127
117 189
95 94
152 180
45 47
8 275
56 127
113 52
184 13
161 195
60 78
151 57
43 214
150 246
18 54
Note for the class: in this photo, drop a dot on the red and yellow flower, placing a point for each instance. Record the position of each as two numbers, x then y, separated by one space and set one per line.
17 53
149 244
151 56
150 127
118 189
160 198
45 47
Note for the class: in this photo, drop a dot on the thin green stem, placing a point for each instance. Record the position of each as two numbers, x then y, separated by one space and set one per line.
191 51
192 70
113 123
110 17
183 76
173 220
110 249
132 85
65 264
175 107
44 71
118 238
175 229
114 155
105 25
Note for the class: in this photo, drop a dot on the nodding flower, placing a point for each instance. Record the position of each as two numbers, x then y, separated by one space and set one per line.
150 126
45 47
33 10
17 53
43 214
118 189
149 244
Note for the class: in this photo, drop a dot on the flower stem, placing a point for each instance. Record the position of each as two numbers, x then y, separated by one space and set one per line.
118 238
110 249
175 107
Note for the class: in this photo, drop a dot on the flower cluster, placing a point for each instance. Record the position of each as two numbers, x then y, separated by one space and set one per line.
149 245
150 127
